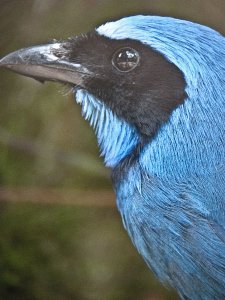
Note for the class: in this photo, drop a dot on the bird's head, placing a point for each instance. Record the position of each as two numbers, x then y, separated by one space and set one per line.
129 76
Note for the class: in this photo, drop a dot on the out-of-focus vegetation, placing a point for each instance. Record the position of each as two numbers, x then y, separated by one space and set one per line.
64 251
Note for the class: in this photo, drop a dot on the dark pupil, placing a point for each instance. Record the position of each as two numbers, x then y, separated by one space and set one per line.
126 59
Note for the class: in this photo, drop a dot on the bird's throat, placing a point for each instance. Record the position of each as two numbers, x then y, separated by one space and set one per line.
116 138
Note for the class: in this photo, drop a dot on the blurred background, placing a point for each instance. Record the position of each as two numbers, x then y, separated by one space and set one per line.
61 236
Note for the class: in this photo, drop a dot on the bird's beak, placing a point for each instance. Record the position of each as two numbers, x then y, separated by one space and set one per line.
45 62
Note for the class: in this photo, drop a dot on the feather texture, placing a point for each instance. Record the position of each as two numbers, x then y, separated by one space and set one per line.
116 138
172 199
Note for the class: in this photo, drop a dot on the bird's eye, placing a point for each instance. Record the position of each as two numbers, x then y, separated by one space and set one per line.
125 59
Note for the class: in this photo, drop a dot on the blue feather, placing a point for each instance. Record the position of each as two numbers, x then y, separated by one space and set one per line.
172 198
116 138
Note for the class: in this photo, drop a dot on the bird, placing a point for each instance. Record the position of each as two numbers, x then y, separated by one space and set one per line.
153 89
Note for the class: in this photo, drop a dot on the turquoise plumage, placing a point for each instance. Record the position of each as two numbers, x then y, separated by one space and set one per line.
153 88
